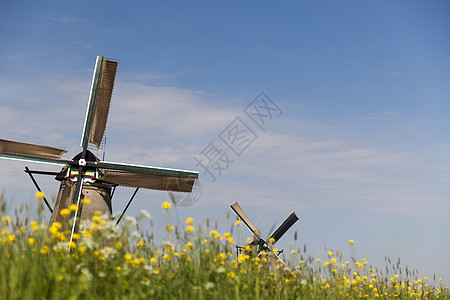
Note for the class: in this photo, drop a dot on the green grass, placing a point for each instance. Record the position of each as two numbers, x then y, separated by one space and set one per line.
111 262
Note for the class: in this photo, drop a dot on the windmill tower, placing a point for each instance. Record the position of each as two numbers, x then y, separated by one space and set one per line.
86 176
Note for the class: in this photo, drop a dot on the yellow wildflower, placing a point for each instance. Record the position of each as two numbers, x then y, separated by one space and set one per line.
190 229
45 249
86 201
31 241
169 227
118 245
350 242
189 220
153 260
73 207
141 243
40 195
64 212
166 205
189 245
272 240
72 244
128 256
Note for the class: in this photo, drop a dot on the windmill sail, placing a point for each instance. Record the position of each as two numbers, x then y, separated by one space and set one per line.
147 177
99 101
240 213
149 181
18 148
281 230
31 152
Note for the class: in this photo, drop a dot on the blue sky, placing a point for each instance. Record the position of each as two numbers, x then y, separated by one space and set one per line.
359 152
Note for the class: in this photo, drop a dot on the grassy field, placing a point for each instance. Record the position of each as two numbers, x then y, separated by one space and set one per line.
109 262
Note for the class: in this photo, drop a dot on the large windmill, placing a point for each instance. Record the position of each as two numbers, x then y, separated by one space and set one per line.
85 176
259 246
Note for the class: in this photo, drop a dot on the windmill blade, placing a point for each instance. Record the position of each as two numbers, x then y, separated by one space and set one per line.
144 169
18 150
149 181
240 213
146 177
281 230
99 101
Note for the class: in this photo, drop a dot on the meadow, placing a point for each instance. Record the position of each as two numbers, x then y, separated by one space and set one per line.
193 261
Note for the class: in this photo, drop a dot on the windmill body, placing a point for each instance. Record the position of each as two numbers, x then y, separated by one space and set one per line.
87 177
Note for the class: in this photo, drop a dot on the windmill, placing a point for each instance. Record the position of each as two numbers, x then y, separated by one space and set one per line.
85 176
259 246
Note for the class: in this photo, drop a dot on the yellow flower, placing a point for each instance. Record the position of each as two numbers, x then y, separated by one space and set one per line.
190 229
293 251
86 233
98 212
40 195
64 212
169 227
72 244
238 222
76 236
166 205
57 225
73 207
272 240
189 245
153 260
128 256
86 201
330 253
31 241
141 243
189 220
118 245
350 242
45 249
11 238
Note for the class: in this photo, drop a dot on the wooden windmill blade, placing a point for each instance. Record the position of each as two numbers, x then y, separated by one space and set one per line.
32 152
148 177
99 101
281 230
241 215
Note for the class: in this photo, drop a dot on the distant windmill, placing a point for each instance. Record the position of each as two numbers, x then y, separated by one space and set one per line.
259 245
85 176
